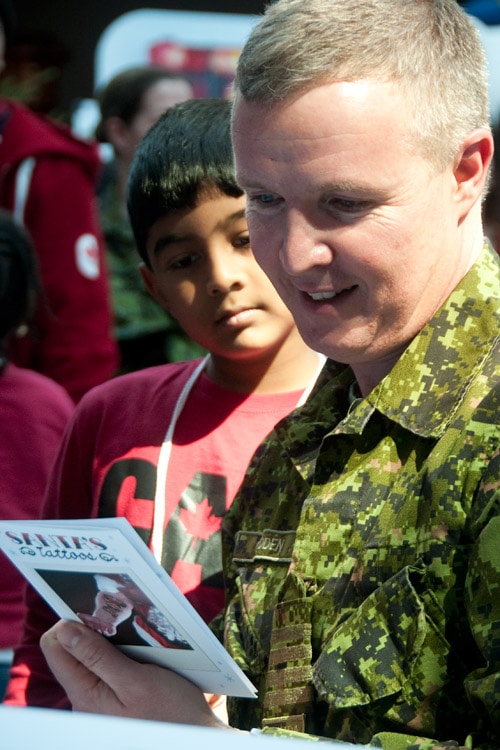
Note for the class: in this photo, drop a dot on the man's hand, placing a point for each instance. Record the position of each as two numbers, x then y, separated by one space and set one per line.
98 678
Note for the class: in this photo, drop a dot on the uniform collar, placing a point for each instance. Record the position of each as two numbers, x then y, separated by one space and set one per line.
446 354
431 378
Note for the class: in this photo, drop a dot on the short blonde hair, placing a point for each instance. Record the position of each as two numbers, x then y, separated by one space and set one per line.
429 48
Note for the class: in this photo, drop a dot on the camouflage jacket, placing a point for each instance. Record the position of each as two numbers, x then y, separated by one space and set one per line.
362 554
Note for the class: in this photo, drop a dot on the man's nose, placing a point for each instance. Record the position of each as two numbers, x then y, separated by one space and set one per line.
304 245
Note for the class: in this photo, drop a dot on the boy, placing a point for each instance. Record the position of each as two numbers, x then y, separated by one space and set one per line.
191 427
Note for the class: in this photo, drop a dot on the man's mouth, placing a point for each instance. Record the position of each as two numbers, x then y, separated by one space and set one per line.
319 296
323 295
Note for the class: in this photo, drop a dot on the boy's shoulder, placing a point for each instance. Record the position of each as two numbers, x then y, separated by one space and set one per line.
163 382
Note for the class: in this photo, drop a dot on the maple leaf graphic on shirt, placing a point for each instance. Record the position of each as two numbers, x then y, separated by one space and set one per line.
201 523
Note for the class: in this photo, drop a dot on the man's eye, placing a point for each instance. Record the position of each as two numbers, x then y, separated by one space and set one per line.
263 199
347 205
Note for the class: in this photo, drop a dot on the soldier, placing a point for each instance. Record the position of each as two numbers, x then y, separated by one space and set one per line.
361 556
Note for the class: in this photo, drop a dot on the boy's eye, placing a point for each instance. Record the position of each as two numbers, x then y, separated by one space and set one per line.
242 241
183 262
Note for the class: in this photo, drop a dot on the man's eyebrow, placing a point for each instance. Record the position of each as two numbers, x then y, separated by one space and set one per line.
323 187
248 183
339 186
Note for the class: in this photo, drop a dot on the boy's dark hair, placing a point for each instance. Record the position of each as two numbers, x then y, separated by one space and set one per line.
122 95
186 152
19 284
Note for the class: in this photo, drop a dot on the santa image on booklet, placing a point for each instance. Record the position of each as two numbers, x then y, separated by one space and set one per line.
113 605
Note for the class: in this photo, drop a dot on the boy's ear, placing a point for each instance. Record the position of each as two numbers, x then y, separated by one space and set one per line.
149 280
471 168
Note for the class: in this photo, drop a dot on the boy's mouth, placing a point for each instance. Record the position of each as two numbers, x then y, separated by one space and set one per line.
235 317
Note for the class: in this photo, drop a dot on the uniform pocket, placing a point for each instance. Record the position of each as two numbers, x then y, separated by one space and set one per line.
391 645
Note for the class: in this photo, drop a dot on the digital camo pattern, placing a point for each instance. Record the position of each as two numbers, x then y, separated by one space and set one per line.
363 552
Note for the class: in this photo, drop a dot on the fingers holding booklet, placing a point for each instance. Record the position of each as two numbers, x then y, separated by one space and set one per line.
99 678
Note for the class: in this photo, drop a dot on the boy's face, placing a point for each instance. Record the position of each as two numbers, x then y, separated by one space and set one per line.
204 273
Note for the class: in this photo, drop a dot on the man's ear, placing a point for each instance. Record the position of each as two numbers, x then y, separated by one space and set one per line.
471 168
149 280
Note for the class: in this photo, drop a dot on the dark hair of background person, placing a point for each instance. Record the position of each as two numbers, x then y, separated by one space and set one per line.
19 281
122 96
187 151
8 19
34 61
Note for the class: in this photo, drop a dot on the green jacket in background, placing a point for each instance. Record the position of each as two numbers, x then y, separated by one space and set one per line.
362 553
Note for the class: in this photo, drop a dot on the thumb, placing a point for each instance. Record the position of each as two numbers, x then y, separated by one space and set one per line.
89 668
83 644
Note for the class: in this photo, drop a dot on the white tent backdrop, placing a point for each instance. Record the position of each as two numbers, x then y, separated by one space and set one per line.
202 46
127 41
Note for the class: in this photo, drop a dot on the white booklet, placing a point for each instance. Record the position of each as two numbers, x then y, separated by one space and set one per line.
100 572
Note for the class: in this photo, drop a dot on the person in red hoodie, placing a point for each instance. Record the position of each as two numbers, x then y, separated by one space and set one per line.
40 410
47 181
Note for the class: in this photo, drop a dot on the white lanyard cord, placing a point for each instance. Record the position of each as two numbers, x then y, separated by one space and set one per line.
307 391
166 450
23 182
164 460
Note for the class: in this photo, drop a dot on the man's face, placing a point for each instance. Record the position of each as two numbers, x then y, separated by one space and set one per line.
358 234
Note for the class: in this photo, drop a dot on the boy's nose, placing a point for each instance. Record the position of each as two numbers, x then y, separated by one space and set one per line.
225 276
